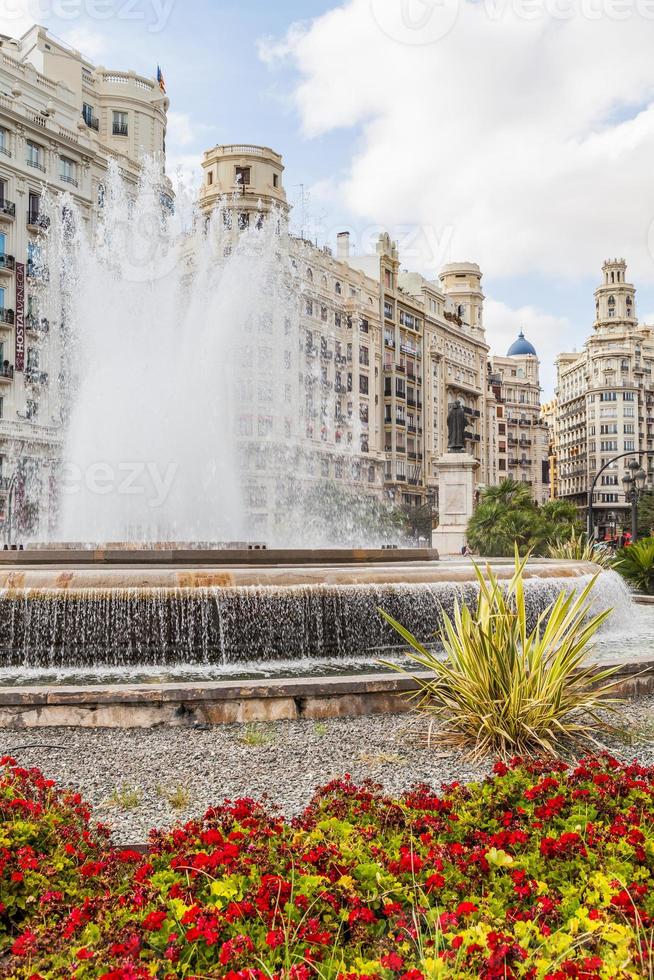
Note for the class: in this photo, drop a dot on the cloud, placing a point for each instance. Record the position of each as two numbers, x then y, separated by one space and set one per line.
549 334
524 126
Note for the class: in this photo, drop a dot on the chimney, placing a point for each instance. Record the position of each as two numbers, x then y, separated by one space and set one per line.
343 245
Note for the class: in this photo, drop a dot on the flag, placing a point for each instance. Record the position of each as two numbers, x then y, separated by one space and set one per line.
160 79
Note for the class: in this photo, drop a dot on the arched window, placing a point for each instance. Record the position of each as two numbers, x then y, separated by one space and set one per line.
338 288
309 275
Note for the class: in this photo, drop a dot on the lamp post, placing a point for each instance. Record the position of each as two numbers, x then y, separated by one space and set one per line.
634 482
591 492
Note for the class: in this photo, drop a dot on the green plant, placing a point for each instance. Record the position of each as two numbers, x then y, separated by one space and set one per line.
125 797
320 728
178 797
636 564
579 548
254 735
504 689
507 517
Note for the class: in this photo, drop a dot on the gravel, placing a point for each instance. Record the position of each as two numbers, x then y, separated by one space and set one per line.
137 779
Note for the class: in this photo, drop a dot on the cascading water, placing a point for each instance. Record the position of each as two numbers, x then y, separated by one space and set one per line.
214 631
183 378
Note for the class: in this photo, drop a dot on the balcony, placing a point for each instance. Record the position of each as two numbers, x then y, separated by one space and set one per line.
120 129
400 421
34 376
35 164
326 355
7 211
6 318
38 273
69 179
7 265
36 325
6 372
37 221
91 121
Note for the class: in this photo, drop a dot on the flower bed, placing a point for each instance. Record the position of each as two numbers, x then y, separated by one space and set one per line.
542 871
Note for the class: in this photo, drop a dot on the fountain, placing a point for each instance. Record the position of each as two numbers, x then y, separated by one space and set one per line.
172 331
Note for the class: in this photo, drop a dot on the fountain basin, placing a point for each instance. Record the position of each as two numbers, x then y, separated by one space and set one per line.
163 615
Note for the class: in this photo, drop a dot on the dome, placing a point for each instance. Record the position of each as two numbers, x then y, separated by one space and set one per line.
521 346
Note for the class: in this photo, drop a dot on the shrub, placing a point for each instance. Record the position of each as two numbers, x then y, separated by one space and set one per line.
636 564
541 872
502 689
579 548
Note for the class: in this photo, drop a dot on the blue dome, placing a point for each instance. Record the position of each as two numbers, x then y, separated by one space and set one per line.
521 346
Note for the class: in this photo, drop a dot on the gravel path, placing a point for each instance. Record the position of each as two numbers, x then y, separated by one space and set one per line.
137 779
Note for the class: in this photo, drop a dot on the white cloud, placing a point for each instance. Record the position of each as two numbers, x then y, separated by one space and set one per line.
549 335
529 134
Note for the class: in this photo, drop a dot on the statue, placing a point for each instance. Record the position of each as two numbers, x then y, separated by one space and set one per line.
456 425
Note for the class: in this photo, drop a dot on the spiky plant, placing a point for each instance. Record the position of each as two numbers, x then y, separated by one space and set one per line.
579 548
636 564
503 689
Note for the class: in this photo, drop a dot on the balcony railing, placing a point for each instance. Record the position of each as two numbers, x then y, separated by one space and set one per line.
36 324
5 149
37 220
120 129
91 121
7 316
7 263
7 209
6 371
35 164
36 377
68 179
38 272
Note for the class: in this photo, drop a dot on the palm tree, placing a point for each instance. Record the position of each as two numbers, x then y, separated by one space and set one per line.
507 516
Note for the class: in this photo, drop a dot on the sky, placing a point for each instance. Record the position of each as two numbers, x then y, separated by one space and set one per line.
518 134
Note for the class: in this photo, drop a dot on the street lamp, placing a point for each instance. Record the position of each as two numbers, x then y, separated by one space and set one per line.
634 484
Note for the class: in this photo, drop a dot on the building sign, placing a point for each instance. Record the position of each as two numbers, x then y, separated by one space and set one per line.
20 317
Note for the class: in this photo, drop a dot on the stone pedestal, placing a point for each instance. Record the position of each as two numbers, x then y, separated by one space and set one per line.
455 501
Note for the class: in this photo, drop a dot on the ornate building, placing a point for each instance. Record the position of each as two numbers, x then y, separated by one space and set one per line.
61 121
605 402
522 434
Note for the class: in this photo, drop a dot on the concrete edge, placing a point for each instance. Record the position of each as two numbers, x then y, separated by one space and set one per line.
224 702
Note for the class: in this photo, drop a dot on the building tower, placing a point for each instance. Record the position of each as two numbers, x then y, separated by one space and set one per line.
461 283
248 178
615 299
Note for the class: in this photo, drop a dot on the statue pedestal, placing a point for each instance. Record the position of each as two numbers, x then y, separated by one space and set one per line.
456 496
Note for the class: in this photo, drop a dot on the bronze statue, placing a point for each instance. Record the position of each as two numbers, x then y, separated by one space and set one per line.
456 426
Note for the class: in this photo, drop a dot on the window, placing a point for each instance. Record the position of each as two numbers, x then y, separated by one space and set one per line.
242 176
338 288
67 171
89 118
275 180
120 124
363 384
627 396
4 148
2 297
34 156
210 178
33 208
3 192
388 310
629 444
31 410
3 244
243 220
363 356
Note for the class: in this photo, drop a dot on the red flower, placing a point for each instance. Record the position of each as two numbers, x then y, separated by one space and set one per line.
466 908
392 961
154 921
84 954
